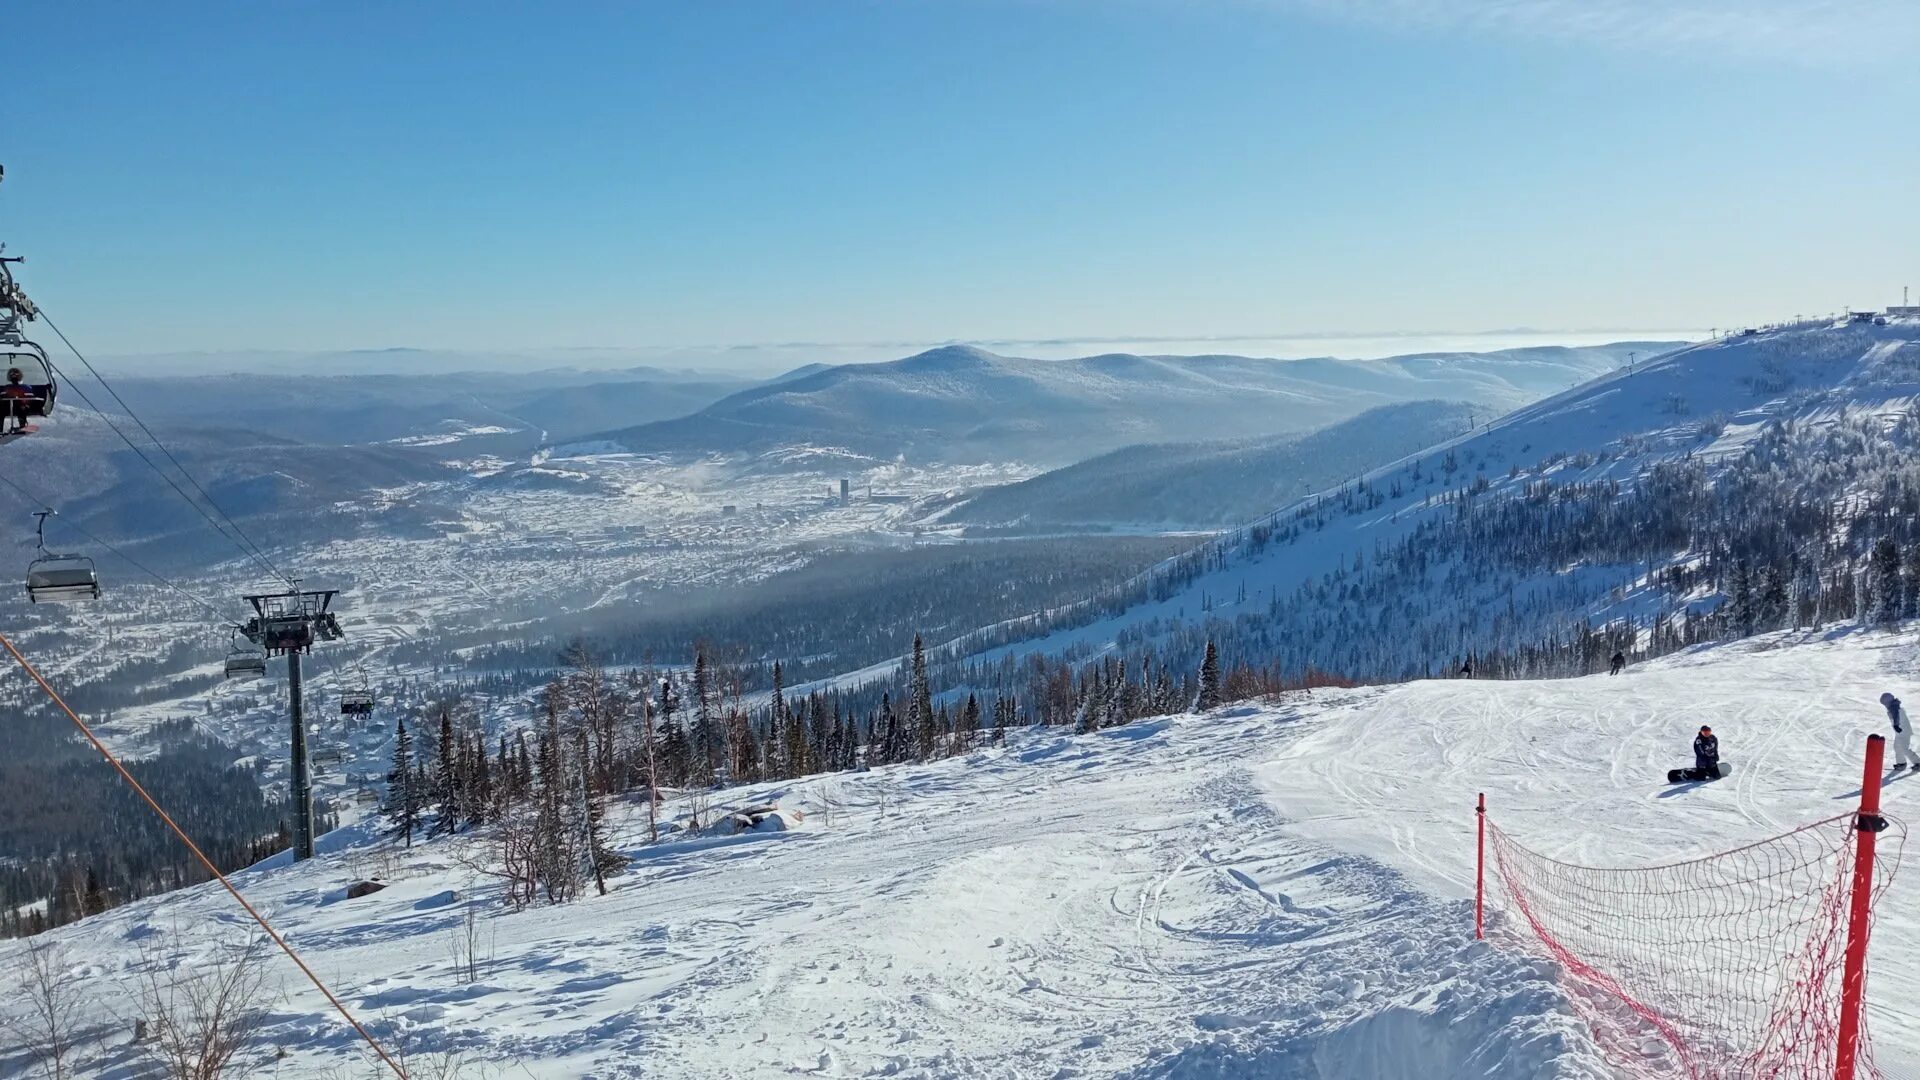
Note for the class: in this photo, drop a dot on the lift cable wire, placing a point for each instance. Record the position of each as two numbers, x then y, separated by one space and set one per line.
102 380
236 537
130 560
162 473
338 1005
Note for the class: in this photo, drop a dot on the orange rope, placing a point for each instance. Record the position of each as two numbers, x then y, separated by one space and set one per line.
204 861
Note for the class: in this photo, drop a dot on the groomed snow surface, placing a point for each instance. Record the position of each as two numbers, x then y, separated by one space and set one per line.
1275 891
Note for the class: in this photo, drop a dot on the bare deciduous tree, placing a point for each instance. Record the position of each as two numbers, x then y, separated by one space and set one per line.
465 946
201 1015
49 1029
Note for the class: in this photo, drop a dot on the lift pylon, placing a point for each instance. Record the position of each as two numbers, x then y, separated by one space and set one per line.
287 624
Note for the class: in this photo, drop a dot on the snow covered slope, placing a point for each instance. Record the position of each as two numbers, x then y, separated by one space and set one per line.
1574 768
1577 506
1211 485
1271 891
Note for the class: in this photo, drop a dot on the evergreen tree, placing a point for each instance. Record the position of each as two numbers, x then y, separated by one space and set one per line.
1885 586
1209 678
1740 607
403 799
1910 577
779 751
920 722
481 802
1774 603
446 783
885 730
95 900
599 859
968 723
556 822
707 739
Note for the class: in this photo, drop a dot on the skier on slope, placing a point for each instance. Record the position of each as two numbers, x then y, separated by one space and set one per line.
1903 754
1706 753
1619 661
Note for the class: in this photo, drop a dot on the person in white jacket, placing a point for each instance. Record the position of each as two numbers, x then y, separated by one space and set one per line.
1903 754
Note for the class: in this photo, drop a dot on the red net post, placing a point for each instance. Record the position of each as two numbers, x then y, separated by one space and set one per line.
1853 980
1480 869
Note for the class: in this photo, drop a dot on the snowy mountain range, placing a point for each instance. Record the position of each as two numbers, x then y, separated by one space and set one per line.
1767 464
1210 485
961 403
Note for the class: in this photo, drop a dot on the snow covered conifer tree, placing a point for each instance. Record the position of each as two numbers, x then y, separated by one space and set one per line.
884 732
403 802
779 751
480 798
1773 602
1209 678
707 738
446 781
968 723
1740 607
597 859
1886 588
920 724
675 753
1910 578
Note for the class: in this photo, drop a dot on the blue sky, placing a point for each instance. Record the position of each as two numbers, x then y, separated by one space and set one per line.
493 175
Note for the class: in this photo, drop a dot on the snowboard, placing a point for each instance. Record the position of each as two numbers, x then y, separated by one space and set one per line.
1682 776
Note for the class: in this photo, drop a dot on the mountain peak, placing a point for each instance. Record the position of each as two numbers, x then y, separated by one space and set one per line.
951 358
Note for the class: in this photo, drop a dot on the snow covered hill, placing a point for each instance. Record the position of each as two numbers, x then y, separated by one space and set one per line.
960 403
1265 891
1768 463
1210 485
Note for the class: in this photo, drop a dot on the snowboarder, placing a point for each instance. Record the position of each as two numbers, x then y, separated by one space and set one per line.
1619 661
1466 669
1903 755
1706 752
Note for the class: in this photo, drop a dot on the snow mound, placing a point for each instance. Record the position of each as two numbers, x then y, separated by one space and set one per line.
1458 1030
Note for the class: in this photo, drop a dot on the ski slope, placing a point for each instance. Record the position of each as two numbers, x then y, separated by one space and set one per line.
1575 769
1264 891
1705 402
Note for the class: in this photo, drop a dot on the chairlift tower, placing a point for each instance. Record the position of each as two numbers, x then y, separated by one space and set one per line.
287 624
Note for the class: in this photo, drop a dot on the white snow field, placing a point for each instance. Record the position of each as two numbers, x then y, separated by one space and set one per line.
1264 891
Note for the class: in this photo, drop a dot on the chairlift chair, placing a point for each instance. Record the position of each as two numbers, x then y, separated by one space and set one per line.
245 661
291 622
356 703
35 393
55 578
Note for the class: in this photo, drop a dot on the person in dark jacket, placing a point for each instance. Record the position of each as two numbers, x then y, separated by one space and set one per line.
16 398
1706 752
1619 661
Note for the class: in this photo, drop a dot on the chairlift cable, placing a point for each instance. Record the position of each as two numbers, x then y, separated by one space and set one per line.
102 380
319 984
162 473
128 559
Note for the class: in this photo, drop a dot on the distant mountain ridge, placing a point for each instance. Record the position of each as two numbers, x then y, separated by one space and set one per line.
960 403
1211 484
1750 481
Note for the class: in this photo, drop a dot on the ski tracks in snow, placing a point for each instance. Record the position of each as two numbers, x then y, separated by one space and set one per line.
1126 903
